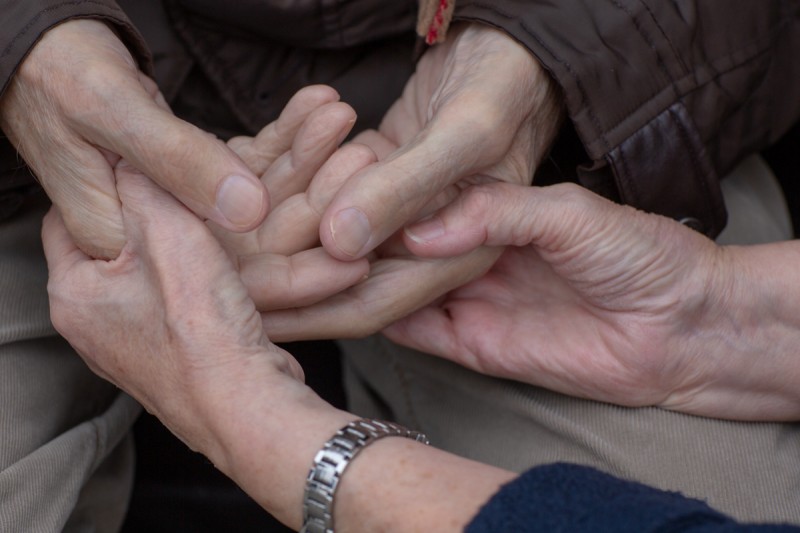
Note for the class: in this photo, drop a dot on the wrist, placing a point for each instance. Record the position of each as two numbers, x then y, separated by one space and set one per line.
268 430
333 460
739 344
266 433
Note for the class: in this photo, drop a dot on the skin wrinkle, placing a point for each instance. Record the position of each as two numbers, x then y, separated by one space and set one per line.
319 197
69 155
731 337
610 237
625 382
180 321
65 163
617 386
657 274
400 125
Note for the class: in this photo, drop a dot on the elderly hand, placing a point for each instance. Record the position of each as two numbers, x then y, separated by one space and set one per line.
281 261
602 301
170 322
170 314
478 109
79 103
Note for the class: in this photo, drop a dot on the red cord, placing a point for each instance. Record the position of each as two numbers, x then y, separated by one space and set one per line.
436 25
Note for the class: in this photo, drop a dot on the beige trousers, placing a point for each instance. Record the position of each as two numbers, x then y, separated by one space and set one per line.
749 470
66 462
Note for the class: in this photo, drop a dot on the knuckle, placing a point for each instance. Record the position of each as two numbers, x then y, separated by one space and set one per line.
60 316
93 87
358 153
64 314
176 149
239 143
477 202
475 117
574 197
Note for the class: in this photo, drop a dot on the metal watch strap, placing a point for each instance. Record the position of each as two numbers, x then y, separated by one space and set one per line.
333 458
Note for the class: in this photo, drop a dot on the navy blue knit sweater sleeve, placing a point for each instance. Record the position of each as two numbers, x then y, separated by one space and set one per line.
575 499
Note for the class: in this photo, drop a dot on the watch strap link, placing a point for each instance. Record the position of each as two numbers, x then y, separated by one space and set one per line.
331 461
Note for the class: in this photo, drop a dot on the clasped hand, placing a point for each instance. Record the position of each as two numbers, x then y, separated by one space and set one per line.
605 302
79 104
479 109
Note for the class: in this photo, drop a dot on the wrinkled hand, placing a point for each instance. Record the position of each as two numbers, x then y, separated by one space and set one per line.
281 261
79 104
478 109
169 320
592 299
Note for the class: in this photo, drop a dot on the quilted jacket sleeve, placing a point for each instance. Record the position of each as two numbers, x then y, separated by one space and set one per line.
665 97
22 23
579 499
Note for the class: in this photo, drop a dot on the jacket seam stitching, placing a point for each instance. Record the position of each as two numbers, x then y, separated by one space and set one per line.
651 43
716 73
681 96
602 135
628 183
666 37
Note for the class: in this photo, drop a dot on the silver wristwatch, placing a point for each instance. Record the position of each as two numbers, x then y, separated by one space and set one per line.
330 462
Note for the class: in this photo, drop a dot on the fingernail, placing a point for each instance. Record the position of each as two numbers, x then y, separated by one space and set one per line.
240 200
426 230
350 231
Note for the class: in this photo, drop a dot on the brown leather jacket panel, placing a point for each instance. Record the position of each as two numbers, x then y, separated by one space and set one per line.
665 96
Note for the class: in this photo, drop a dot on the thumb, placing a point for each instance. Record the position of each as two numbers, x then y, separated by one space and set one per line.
554 219
197 168
376 202
161 228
